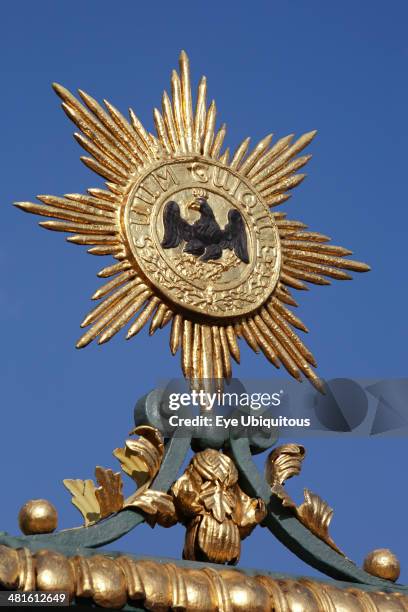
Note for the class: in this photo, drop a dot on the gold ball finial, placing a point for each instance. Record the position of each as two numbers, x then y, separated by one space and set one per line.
383 564
37 516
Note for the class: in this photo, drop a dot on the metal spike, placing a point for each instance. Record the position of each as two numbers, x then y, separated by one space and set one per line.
262 165
261 341
276 304
157 319
142 318
240 153
217 352
161 130
279 342
169 122
112 284
232 343
200 115
95 239
283 185
218 141
114 269
330 260
176 334
225 354
292 282
99 310
310 277
255 155
120 131
288 169
186 97
68 214
113 311
209 129
101 157
207 354
249 336
284 296
102 170
196 373
294 339
124 317
187 347
62 226
316 247
178 110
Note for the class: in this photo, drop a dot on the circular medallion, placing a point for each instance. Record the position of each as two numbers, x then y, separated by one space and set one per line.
203 237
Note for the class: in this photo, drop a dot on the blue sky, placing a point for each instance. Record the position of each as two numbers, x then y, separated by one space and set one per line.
283 67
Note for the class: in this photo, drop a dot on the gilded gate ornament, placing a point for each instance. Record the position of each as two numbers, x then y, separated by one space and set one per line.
194 233
196 241
283 463
140 459
114 582
148 584
215 510
206 498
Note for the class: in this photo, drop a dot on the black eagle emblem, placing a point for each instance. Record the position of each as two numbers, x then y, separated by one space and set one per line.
204 238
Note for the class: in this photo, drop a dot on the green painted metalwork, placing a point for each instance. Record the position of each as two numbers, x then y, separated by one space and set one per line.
115 527
291 532
280 521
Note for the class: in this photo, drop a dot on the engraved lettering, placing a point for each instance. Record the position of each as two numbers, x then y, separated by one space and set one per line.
139 215
267 253
199 172
140 209
225 180
266 237
165 177
145 195
264 216
248 198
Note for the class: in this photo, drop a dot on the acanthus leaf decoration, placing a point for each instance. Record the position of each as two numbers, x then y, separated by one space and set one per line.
109 493
84 498
141 460
316 515
285 462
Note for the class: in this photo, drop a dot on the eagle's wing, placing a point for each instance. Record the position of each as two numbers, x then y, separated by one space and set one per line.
176 229
235 236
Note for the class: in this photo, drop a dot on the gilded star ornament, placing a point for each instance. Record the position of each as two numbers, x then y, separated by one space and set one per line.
194 233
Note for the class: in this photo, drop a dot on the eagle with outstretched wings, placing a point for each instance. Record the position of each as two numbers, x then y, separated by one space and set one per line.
204 238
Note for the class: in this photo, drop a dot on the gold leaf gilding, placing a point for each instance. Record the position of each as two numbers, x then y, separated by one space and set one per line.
143 173
316 515
84 498
109 493
141 459
155 585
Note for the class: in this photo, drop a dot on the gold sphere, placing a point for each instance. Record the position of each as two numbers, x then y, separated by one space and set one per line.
37 516
383 564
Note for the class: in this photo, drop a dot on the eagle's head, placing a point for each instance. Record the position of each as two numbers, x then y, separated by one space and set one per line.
201 205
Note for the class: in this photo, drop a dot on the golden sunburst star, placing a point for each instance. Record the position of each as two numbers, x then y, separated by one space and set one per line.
194 233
